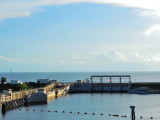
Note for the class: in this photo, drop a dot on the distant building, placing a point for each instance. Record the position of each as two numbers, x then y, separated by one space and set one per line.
41 90
16 82
53 81
45 81
80 81
3 80
7 91
87 80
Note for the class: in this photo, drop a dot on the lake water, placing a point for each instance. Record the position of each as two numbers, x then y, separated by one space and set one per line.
73 76
146 106
106 103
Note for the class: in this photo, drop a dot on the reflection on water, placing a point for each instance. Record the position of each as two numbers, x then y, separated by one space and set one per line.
106 103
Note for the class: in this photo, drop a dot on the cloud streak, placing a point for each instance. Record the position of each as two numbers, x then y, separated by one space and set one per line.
153 30
71 59
114 56
111 56
11 60
20 8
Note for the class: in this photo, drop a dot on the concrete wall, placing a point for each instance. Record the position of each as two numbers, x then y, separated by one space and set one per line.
37 98
43 97
99 87
22 94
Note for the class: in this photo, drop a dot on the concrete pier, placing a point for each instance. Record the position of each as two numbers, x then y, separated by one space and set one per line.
98 87
5 97
13 100
42 96
103 83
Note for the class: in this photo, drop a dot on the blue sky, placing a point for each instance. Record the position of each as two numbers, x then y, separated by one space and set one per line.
82 35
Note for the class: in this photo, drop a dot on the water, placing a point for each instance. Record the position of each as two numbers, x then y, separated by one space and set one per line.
146 106
106 103
73 76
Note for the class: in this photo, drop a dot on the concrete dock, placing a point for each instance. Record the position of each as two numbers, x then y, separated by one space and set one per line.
103 83
97 83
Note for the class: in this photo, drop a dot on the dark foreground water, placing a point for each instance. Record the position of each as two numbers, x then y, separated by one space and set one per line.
146 106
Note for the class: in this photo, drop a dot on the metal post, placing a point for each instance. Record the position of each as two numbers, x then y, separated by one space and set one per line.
110 84
129 79
91 84
132 112
129 82
100 79
120 84
101 83
91 80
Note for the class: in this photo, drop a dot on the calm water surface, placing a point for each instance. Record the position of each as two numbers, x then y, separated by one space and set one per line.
146 106
73 76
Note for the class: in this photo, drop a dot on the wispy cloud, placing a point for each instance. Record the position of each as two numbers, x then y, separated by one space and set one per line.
156 57
121 56
114 56
19 8
36 60
111 55
12 60
71 59
138 57
142 12
99 52
153 30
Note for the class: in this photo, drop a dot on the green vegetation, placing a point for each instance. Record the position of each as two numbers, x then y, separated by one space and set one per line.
17 87
24 86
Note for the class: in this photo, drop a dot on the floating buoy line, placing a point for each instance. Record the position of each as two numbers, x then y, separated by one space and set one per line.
84 113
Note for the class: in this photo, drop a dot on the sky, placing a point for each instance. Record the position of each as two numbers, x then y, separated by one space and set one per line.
79 35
